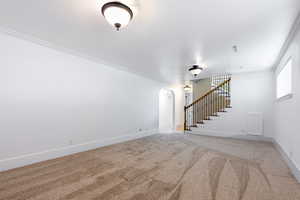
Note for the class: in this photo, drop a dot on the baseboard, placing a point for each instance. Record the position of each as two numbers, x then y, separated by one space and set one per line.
206 132
292 165
170 132
233 135
20 161
178 132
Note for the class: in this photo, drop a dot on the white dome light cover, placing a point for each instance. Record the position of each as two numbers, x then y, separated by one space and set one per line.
195 70
117 14
187 88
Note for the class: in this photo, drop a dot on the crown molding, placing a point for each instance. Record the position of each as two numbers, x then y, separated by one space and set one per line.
294 30
36 40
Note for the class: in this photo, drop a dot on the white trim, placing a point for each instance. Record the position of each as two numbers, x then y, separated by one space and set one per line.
279 69
288 41
171 132
235 72
282 64
19 161
285 97
34 39
178 132
24 160
295 170
232 135
207 132
291 164
173 110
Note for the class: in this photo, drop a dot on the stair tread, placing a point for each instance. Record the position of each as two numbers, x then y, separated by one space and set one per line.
212 104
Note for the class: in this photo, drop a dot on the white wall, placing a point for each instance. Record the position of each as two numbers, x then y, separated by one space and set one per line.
50 101
166 111
179 106
287 118
250 93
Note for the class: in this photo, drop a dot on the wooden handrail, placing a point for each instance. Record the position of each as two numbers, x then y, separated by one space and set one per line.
208 93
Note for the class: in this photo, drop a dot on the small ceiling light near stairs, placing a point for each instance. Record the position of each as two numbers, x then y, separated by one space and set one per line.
187 88
235 48
195 70
117 14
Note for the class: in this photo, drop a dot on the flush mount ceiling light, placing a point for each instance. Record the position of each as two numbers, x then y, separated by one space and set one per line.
195 70
235 48
187 88
117 14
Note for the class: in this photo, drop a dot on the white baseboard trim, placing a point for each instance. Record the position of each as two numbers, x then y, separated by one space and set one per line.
206 132
233 135
292 165
170 132
20 161
178 132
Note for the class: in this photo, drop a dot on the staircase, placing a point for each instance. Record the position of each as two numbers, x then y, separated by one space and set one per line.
209 105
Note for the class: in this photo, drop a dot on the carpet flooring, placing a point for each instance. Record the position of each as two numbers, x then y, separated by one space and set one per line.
159 167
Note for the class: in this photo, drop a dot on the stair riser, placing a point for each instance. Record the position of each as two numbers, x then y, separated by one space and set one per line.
209 106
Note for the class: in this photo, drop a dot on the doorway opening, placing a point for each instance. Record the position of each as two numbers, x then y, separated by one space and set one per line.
166 111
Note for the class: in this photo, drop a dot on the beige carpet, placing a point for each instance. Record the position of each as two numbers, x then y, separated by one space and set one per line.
160 167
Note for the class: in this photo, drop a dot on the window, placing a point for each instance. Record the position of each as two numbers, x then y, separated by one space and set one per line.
284 81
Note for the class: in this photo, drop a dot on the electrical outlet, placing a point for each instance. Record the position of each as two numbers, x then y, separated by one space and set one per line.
70 142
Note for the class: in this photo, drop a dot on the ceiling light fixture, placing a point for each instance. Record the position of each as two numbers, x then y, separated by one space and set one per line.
195 70
187 88
235 48
117 14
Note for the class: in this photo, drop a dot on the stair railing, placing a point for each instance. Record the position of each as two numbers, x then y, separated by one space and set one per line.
210 104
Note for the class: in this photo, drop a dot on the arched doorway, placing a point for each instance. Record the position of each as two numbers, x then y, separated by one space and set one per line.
166 111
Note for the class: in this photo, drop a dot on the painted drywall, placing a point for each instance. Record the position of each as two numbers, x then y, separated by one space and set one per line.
287 120
250 93
52 100
166 111
179 106
200 87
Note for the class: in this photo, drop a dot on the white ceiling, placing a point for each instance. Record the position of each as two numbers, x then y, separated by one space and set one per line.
165 36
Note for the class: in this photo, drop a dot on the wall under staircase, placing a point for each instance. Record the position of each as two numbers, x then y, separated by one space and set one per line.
251 94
